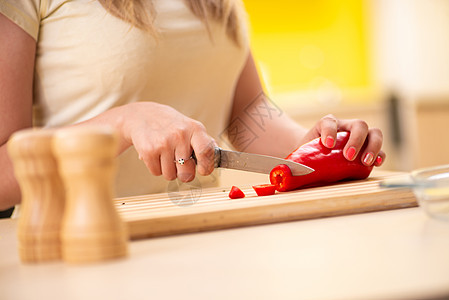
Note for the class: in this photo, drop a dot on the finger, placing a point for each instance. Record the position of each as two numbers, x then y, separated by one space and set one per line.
150 157
153 163
328 126
168 164
204 147
205 158
358 133
380 159
373 146
185 168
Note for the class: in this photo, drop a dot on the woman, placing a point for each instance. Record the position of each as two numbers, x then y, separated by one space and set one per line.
172 76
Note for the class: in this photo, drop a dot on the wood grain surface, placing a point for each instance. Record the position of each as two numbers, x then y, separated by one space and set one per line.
91 230
43 198
196 209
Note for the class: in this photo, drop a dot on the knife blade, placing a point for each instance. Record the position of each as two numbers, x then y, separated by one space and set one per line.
254 162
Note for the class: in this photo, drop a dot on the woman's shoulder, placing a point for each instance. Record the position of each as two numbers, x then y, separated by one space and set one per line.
27 14
24 13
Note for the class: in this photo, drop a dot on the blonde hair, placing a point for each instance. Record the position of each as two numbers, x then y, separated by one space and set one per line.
141 13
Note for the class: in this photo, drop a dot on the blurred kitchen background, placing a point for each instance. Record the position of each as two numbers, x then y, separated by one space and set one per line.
384 61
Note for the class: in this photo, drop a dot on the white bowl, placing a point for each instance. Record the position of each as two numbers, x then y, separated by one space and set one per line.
431 188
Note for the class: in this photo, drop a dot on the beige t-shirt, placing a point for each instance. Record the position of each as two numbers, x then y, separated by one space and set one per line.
89 61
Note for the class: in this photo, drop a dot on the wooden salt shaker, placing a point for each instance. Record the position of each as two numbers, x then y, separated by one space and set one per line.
42 191
92 229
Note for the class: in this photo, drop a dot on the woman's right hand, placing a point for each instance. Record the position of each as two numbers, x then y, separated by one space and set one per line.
161 135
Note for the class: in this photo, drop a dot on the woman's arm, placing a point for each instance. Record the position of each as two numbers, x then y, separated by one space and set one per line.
17 52
270 131
262 128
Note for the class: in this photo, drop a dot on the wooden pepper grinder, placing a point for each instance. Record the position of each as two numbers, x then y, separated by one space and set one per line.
42 191
92 229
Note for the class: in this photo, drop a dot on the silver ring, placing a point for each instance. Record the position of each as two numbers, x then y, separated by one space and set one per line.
182 161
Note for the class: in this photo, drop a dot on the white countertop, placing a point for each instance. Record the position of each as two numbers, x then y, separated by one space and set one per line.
382 255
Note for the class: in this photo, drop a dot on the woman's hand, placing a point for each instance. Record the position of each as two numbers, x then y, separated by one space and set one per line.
360 133
162 135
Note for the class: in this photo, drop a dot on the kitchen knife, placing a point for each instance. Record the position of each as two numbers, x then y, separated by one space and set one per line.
254 162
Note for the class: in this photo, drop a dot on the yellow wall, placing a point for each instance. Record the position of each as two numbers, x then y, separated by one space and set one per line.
301 43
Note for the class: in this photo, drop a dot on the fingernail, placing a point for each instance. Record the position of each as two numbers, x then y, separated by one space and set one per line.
350 153
329 142
378 160
368 159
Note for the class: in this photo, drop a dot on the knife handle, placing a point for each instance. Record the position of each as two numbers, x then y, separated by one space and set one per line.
217 157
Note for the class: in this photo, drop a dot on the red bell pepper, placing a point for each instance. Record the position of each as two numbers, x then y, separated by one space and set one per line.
329 164
264 189
236 193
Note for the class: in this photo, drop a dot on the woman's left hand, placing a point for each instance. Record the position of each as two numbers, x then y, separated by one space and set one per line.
328 126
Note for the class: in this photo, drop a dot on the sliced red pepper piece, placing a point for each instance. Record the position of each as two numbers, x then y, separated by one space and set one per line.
329 164
236 193
264 189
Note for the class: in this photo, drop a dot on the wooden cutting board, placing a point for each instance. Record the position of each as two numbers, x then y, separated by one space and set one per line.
206 209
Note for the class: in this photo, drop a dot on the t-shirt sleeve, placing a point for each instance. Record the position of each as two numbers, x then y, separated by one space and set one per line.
25 13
